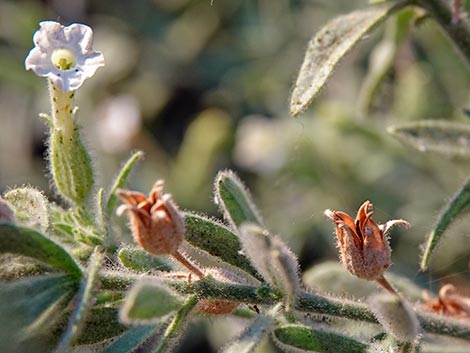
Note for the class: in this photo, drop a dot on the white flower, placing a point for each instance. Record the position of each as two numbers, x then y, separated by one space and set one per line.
64 54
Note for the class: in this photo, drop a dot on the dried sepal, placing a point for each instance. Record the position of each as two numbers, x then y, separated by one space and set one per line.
363 244
155 221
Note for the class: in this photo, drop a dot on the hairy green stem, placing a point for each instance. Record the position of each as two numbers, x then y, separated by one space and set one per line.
459 32
306 302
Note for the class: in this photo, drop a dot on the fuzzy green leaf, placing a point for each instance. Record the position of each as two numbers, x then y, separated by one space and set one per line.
234 201
456 205
251 338
102 323
28 242
308 339
436 136
217 240
329 46
31 207
148 302
120 181
138 260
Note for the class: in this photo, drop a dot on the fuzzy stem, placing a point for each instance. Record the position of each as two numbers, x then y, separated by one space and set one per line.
382 281
306 302
62 110
183 261
458 31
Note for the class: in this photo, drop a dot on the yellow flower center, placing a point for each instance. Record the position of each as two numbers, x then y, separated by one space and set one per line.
63 59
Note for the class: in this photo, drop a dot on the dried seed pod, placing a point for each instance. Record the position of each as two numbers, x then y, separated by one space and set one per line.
362 243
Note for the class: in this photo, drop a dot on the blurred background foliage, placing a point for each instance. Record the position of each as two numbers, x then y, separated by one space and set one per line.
201 87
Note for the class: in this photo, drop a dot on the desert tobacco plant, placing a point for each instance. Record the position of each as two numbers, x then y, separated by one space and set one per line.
70 282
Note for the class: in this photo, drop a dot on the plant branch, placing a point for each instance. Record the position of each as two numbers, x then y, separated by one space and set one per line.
306 302
458 31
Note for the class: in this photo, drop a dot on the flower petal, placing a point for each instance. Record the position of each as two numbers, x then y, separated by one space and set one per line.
76 38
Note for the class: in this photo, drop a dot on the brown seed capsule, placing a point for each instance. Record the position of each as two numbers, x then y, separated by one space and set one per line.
156 223
362 243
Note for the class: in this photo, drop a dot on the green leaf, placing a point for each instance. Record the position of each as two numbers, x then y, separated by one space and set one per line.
456 205
28 242
84 301
149 301
251 338
133 338
120 181
234 200
329 46
31 207
139 260
31 306
436 136
217 240
308 339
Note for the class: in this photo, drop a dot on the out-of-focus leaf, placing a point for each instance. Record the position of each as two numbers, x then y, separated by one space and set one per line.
84 301
234 201
217 240
31 306
120 181
383 56
257 246
396 316
271 257
138 260
456 205
131 340
28 242
307 339
329 46
250 339
440 136
149 301
330 277
31 207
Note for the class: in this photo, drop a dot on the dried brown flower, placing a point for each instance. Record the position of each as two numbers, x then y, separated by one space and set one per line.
156 224
449 302
363 244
